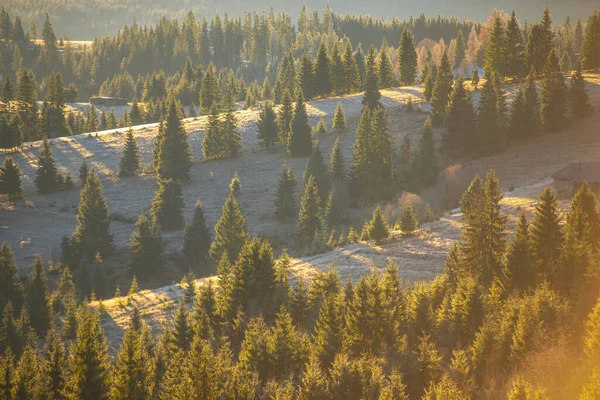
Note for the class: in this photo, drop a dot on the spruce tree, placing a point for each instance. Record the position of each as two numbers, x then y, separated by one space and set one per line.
209 91
377 228
167 205
590 51
285 201
333 213
490 130
408 221
212 144
336 70
384 69
578 96
554 95
27 110
518 116
88 363
197 237
339 118
12 288
352 81
317 168
309 218
546 234
230 231
92 234
520 269
407 57
135 113
300 142
10 179
440 95
460 121
322 73
132 376
328 332
267 127
130 160
427 160
7 95
146 247
496 52
173 155
231 137
305 79
337 168
514 55
47 178
532 106
461 49
56 356
83 171
475 78
372 95
284 117
37 299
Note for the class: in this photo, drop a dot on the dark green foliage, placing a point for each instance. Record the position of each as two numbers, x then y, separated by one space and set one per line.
27 109
495 56
440 96
491 135
352 81
299 142
305 79
52 122
197 237
378 228
520 269
172 154
590 57
92 234
130 160
337 167
372 95
209 92
322 74
230 231
285 201
231 137
37 299
579 101
408 221
135 113
334 213
88 363
132 376
268 132
56 363
47 178
182 332
460 121
461 49
336 69
146 248
83 171
554 95
407 56
546 233
514 55
475 78
317 168
212 144
12 288
384 69
427 165
10 179
518 116
284 117
339 118
167 205
309 218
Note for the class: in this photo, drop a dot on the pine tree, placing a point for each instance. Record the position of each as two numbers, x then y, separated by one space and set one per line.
352 81
305 79
322 73
92 234
299 142
135 113
339 118
546 234
10 179
182 332
284 117
578 96
132 375
209 91
309 218
267 127
336 69
407 56
47 177
285 202
495 56
130 160
490 129
427 160
475 78
212 144
337 168
56 356
26 107
232 138
440 95
88 364
520 270
167 205
12 288
590 50
91 120
372 95
145 247
408 222
230 231
8 94
532 106
37 299
83 171
265 91
514 55
334 213
173 157
328 332
460 121
377 228
554 95
461 49
317 168
197 237
384 70
518 116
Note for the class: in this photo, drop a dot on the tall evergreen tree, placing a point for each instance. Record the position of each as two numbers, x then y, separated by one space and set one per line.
230 231
440 96
209 92
460 121
167 205
590 51
92 234
461 49
491 134
284 117
339 118
578 96
427 161
285 202
7 95
10 179
514 55
12 288
532 106
26 107
495 56
408 221
407 56
135 113
47 177
305 79
317 168
336 70
352 81
372 95
309 219
300 142
377 228
554 95
212 144
520 269
130 160
132 376
197 238
327 342
173 157
146 247
337 166
322 73
384 69
37 299
546 234
518 116
267 126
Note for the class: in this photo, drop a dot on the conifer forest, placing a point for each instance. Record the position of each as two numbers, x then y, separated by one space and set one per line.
219 200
